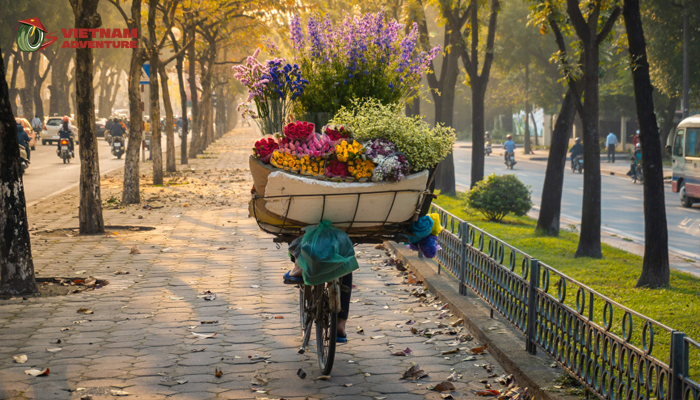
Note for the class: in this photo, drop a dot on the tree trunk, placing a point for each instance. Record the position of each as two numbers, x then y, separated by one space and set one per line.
220 111
90 214
169 133
183 104
59 104
16 264
156 150
14 92
191 55
550 210
478 131
668 124
528 147
655 269
26 99
130 190
534 125
589 240
445 173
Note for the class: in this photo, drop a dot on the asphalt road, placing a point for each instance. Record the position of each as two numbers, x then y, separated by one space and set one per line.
47 175
622 201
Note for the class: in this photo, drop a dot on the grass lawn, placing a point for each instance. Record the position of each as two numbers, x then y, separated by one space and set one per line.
614 276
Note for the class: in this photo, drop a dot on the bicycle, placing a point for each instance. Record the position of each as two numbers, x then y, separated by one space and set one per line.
320 304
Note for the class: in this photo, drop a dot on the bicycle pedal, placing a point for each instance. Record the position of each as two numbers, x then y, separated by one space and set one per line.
301 374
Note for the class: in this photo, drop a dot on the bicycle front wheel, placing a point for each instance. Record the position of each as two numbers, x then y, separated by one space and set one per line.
326 332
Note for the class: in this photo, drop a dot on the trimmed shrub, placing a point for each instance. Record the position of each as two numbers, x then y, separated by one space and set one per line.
499 195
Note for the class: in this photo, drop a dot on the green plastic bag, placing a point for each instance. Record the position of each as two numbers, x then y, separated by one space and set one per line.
327 253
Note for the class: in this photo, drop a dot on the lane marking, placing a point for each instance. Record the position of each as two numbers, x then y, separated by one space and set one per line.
631 198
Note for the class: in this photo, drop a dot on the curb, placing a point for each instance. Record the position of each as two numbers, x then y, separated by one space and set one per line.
507 346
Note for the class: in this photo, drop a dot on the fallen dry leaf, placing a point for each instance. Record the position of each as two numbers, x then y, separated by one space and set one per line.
121 272
415 372
20 359
444 386
54 350
85 311
208 322
376 337
480 350
323 378
204 335
458 322
135 250
453 377
446 395
360 331
218 373
453 351
198 350
406 352
176 298
119 392
347 384
37 372
258 380
279 317
486 392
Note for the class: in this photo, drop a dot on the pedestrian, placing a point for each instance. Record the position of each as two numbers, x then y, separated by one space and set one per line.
635 139
610 143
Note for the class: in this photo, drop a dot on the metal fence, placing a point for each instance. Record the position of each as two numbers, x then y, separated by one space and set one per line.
615 352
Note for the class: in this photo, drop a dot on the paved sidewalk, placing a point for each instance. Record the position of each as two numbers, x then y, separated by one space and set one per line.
139 340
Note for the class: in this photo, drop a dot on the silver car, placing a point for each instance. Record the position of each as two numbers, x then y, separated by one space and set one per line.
53 125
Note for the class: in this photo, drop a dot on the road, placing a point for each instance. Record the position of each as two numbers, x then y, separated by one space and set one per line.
47 175
622 201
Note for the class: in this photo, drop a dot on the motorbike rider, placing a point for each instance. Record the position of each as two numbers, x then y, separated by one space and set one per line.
117 129
23 139
36 123
636 159
509 146
65 132
576 150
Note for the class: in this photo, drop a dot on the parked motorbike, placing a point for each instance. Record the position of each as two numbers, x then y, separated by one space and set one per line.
24 161
148 143
64 151
487 149
510 160
118 146
577 165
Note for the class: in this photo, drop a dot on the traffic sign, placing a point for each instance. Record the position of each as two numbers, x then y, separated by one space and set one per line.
145 74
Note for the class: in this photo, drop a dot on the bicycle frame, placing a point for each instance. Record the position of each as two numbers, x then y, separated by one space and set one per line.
315 313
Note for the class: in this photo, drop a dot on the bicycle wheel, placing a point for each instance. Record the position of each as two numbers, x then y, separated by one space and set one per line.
306 302
326 330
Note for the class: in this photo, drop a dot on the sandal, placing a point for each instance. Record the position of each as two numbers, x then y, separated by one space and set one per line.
292 280
341 339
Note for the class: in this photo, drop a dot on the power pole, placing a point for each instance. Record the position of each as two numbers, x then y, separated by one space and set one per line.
686 72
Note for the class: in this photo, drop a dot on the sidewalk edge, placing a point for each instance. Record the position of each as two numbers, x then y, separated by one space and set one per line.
532 371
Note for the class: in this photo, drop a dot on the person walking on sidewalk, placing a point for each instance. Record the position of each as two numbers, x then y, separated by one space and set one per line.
610 143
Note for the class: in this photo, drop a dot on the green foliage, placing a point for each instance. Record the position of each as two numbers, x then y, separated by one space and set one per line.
499 195
423 146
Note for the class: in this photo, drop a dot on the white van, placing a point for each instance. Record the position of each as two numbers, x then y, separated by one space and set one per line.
686 161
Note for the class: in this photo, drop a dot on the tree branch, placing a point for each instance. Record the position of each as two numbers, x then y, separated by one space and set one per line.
609 24
490 38
231 62
570 82
577 20
121 10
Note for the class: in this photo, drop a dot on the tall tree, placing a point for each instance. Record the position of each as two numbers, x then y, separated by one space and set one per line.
591 34
156 151
130 188
179 66
90 214
442 88
655 268
477 81
16 264
169 132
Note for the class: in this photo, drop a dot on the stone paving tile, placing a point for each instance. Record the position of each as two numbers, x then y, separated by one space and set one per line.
141 332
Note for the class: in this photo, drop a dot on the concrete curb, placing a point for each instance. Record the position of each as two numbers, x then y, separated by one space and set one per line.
507 345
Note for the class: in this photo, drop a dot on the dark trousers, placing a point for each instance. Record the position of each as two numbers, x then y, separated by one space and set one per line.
345 297
611 153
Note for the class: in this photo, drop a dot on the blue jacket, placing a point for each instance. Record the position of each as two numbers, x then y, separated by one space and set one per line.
23 137
509 145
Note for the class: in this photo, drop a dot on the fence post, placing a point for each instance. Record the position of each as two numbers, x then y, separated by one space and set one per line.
678 364
531 331
464 233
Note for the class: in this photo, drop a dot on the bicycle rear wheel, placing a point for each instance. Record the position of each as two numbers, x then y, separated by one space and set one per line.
306 303
326 331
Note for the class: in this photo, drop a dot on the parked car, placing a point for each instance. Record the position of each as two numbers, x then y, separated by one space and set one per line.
53 124
28 128
101 126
